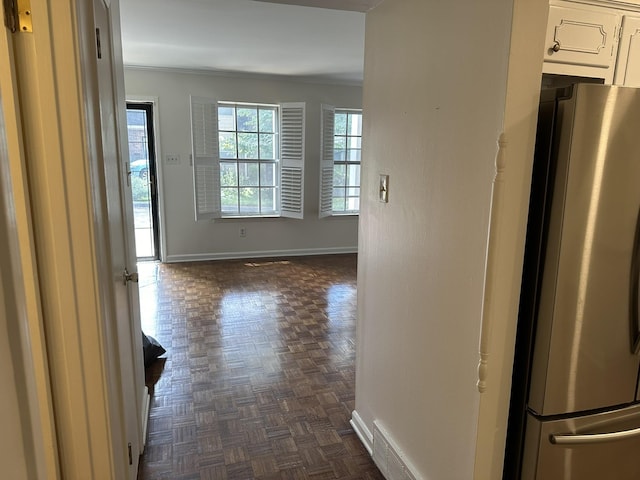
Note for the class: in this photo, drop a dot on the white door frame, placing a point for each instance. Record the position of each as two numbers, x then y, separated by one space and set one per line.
63 252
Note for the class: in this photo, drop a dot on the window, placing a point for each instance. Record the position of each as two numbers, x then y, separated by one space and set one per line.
248 159
248 148
341 155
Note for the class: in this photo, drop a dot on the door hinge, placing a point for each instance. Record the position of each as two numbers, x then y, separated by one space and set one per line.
130 455
17 15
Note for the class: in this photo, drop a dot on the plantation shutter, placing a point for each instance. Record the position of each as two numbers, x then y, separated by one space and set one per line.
206 166
292 117
326 160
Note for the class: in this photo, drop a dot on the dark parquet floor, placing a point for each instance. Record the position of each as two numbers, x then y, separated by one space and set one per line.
258 379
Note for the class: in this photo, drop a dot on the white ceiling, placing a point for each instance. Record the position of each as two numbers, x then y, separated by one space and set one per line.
272 37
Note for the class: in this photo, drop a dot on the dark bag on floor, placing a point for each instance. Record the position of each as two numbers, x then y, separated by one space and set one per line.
151 348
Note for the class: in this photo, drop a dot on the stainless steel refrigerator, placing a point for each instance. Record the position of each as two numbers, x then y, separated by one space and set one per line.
575 412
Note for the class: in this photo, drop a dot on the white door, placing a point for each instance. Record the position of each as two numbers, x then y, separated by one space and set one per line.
122 267
25 452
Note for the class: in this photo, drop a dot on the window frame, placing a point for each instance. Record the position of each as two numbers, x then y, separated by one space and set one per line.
206 159
328 162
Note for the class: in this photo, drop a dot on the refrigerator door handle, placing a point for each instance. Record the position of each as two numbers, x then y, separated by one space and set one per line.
593 437
634 284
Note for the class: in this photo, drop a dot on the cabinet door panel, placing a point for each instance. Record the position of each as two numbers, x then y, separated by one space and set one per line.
581 41
628 63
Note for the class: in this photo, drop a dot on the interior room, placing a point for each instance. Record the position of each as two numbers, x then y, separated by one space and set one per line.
404 322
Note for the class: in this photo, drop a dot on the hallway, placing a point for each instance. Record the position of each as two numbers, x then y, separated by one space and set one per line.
258 380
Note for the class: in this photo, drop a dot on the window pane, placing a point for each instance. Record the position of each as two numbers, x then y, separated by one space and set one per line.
354 126
339 143
338 205
268 174
340 124
339 175
247 120
353 155
268 199
249 200
338 192
353 204
247 145
248 174
353 192
267 151
227 145
354 142
267 120
353 175
229 200
226 118
228 174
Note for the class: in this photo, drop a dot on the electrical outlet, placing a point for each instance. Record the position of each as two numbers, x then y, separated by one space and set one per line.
243 232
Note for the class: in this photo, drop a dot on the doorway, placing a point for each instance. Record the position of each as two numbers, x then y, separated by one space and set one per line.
142 175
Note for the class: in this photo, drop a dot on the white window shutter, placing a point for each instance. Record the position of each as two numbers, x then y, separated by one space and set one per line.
206 164
326 160
292 121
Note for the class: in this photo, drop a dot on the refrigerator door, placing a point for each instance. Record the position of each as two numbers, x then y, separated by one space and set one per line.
595 447
584 356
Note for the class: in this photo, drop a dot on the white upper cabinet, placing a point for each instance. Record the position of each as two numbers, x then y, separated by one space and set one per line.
581 40
628 63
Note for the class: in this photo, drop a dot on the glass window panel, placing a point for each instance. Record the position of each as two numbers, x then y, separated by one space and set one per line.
353 204
247 145
268 200
267 150
227 144
267 120
340 124
339 175
268 174
226 118
229 200
339 143
338 204
353 175
354 126
249 201
248 174
247 119
353 192
339 155
354 142
353 155
228 174
338 192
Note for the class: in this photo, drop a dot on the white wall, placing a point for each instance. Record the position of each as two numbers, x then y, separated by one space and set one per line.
434 97
187 239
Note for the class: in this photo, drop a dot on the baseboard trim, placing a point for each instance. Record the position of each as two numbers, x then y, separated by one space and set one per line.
146 404
200 257
364 434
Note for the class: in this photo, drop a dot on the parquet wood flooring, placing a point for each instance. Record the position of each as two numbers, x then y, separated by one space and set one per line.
258 381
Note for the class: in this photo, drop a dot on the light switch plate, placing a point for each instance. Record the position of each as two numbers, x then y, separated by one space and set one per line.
384 188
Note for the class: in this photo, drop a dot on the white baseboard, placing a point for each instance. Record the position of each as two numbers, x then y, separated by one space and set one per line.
146 403
199 257
390 459
364 434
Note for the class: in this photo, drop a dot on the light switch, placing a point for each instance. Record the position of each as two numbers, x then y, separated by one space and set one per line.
172 160
384 188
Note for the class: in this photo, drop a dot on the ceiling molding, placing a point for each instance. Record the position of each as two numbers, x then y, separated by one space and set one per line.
351 5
